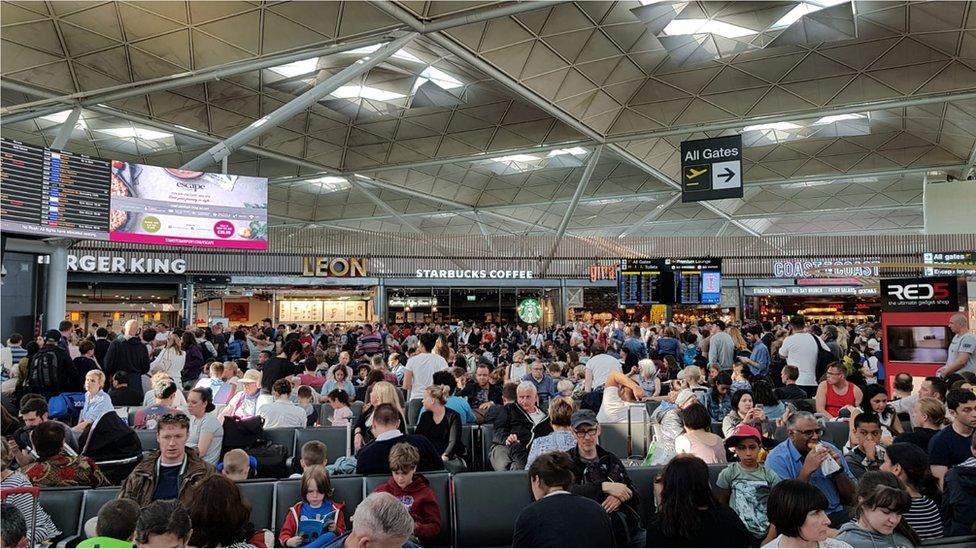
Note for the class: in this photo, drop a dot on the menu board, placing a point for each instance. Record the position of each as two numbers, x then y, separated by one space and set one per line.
153 205
51 192
306 311
670 281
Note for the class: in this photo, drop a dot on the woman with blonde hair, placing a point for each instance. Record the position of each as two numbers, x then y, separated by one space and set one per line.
383 392
442 426
171 359
179 400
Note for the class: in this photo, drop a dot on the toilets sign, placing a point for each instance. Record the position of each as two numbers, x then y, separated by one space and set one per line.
711 169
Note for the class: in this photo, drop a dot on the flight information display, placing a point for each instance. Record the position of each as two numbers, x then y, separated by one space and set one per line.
50 192
670 281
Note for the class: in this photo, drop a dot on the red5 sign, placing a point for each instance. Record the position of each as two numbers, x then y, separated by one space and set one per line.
904 292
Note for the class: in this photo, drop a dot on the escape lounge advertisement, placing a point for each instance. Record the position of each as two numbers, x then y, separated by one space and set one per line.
167 206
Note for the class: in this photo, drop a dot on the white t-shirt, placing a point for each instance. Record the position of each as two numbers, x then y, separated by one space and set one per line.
283 414
207 424
423 366
537 416
800 350
517 370
614 408
601 366
965 343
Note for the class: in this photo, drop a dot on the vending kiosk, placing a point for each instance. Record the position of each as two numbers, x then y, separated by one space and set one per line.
915 315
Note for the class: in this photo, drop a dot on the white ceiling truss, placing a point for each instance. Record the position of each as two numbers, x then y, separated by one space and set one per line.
484 116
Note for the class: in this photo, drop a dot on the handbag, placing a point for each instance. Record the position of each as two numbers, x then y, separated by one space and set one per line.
242 433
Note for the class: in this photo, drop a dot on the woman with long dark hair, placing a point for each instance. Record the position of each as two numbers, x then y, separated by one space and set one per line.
911 465
689 515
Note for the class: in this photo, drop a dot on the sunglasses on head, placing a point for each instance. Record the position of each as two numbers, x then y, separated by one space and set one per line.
175 418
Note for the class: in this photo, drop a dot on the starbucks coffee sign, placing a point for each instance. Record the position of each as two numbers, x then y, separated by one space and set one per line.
530 310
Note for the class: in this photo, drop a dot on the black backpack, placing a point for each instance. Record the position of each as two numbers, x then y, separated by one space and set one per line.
45 373
824 358
208 357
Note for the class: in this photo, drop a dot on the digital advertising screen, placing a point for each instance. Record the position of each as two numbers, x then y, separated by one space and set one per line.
167 206
925 344
49 192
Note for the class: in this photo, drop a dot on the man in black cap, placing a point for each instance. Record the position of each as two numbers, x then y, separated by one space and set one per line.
602 477
51 371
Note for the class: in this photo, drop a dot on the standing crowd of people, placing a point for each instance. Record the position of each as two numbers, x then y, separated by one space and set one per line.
906 473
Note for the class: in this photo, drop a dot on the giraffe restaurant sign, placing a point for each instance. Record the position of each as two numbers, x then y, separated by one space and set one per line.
338 267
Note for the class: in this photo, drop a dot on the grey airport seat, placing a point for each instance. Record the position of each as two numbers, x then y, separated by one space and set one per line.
413 410
64 506
837 433
347 489
613 438
261 496
282 435
486 431
643 479
486 505
336 441
717 428
148 439
440 484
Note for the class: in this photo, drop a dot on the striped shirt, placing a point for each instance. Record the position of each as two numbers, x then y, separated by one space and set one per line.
45 528
924 518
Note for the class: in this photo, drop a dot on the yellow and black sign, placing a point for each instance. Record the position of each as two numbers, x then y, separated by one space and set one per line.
696 176
711 169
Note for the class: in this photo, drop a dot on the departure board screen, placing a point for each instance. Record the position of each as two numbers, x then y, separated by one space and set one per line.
50 192
670 281
640 281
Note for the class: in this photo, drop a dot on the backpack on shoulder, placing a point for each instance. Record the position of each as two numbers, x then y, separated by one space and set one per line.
45 373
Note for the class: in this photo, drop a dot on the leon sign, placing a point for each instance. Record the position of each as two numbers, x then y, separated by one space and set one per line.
339 267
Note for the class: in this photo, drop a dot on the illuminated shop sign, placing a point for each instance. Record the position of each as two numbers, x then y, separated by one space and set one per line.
812 268
470 273
339 267
115 264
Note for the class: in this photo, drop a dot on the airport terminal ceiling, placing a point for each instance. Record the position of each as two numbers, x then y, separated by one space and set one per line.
500 118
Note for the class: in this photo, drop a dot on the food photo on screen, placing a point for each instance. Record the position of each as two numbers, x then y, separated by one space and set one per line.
169 206
925 344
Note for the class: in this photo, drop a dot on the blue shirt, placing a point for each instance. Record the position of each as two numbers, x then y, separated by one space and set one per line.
560 441
313 520
95 407
760 355
460 406
669 346
546 387
785 460
718 406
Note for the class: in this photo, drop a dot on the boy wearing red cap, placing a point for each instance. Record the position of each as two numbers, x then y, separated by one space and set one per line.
745 485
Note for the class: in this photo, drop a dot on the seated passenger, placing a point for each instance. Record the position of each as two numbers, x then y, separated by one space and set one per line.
559 518
163 524
698 439
413 490
54 468
116 525
316 515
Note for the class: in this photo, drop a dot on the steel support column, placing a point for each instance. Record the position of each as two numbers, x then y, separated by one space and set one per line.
652 215
155 85
297 105
571 209
68 126
57 284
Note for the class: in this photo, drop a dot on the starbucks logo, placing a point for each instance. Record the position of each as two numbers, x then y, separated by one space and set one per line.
530 310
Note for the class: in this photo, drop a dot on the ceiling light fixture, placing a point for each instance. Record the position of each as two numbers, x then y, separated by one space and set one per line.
61 117
803 9
140 133
297 68
365 92
575 151
837 118
781 126
684 27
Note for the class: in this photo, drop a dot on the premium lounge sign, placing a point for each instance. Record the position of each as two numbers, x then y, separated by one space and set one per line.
932 294
337 267
130 265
